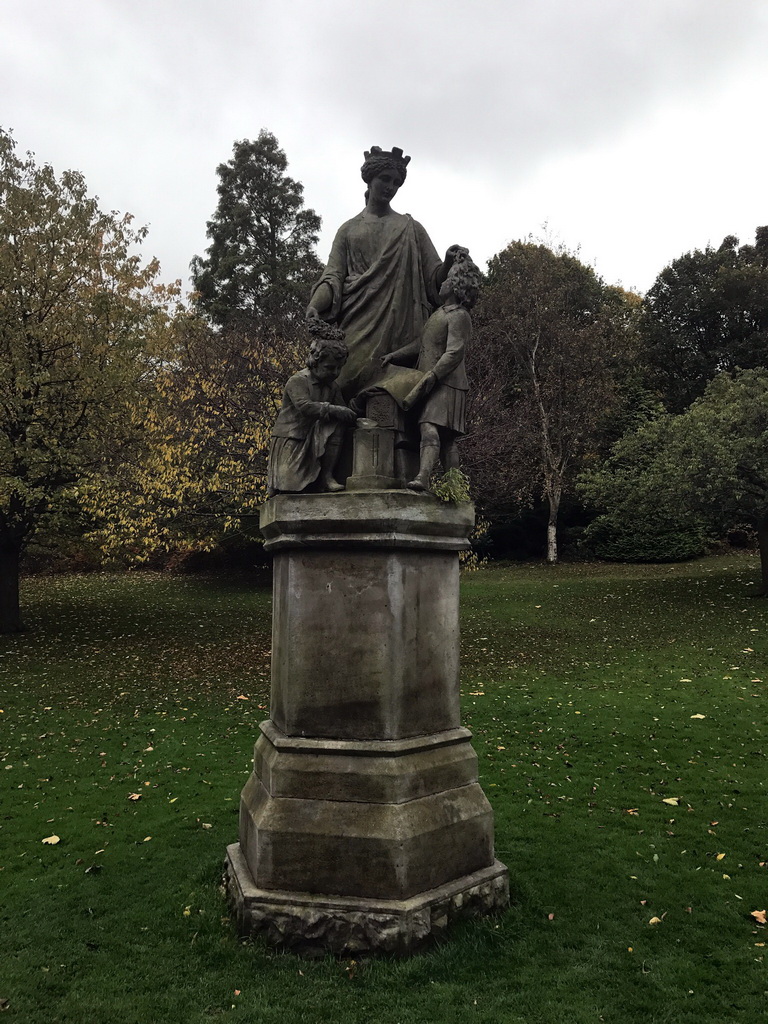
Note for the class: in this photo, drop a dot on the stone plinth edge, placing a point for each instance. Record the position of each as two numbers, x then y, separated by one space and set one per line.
378 519
312 924
362 748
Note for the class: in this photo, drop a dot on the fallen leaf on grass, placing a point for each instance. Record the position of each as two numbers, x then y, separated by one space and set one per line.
134 796
146 839
673 801
698 716
242 697
51 840
655 920
759 916
632 810
187 911
721 856
207 825
550 917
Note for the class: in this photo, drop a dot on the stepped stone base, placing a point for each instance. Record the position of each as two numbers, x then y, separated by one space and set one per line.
363 827
313 924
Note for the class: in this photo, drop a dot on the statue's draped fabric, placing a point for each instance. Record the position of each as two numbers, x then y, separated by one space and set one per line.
382 272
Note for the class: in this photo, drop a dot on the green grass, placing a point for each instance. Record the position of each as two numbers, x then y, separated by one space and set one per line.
580 684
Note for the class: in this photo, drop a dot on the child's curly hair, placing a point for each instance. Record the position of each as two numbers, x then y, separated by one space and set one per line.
465 279
326 338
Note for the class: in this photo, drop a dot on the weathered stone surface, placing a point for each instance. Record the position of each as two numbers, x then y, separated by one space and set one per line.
313 924
370 519
340 842
369 771
363 826
365 643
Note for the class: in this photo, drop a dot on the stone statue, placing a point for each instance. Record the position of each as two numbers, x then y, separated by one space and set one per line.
383 275
438 400
309 429
363 826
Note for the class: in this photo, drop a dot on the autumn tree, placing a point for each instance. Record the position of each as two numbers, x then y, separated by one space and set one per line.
551 344
706 313
78 313
199 474
261 261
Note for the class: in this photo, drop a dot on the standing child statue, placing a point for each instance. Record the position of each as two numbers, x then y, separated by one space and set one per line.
439 399
309 429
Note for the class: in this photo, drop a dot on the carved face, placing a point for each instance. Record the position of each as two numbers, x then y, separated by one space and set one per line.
384 186
327 368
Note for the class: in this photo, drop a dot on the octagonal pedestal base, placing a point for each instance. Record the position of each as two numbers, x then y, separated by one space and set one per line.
313 925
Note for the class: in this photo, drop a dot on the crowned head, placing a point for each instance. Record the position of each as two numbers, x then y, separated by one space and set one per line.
378 160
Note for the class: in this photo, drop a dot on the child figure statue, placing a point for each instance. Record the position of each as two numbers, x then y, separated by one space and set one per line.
309 429
440 397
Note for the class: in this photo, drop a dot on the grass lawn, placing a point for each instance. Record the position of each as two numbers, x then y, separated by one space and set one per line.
618 715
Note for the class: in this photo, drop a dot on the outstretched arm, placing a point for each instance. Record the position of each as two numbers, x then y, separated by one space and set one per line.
405 356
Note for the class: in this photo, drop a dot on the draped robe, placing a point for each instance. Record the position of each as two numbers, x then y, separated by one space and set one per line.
382 273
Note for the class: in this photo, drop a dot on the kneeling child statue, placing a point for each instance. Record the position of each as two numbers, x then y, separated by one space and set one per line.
309 429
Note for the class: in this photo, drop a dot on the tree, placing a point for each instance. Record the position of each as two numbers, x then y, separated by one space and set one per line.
681 479
551 344
199 474
706 313
202 469
261 260
78 313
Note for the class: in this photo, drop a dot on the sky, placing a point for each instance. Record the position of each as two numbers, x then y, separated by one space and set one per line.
629 131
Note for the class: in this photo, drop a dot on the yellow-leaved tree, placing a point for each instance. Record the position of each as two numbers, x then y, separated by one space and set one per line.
80 316
197 476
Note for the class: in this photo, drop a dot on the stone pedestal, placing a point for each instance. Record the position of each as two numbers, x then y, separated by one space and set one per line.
363 826
382 457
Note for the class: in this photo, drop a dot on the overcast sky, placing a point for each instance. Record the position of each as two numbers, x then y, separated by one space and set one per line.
633 130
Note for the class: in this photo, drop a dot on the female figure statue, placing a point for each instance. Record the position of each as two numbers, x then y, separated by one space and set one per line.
383 275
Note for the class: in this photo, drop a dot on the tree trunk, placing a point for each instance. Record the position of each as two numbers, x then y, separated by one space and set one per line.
553 497
762 540
10 614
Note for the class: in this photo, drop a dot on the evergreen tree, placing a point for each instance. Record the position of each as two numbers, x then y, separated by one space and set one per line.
261 260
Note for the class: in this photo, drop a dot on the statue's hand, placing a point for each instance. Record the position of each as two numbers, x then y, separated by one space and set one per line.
386 360
428 383
455 252
344 414
312 314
